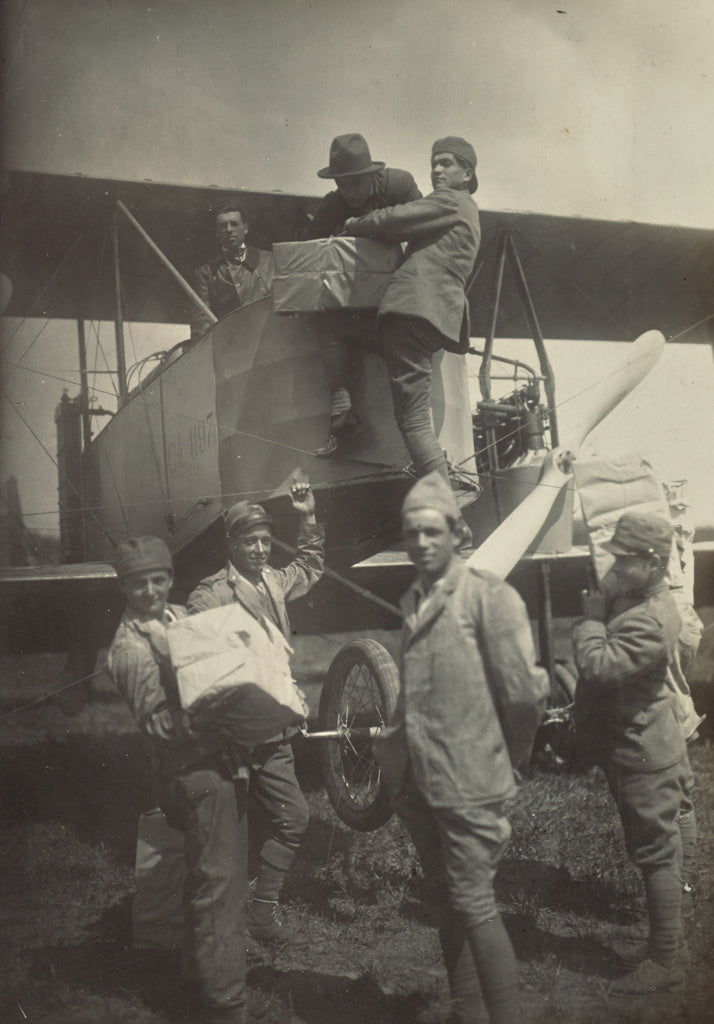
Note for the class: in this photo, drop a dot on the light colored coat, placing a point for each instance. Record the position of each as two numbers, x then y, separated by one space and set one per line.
295 580
443 235
471 695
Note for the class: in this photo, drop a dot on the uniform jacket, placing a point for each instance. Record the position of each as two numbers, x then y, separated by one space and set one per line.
443 235
390 187
140 666
624 707
282 585
471 695
225 286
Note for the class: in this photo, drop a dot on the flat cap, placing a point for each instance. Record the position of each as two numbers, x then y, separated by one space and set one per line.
244 515
432 491
142 554
641 533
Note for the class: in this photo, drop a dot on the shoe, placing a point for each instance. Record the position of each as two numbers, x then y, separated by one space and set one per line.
264 926
649 977
343 430
465 485
636 955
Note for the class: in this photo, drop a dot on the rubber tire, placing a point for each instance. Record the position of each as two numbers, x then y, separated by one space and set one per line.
556 744
363 669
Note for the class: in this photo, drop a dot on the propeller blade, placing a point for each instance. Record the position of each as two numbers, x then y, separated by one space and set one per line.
597 403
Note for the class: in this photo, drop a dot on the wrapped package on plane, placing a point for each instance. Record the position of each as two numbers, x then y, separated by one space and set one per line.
234 675
609 486
332 273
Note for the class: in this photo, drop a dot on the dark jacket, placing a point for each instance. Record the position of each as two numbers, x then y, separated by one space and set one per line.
443 235
225 286
471 695
282 585
390 187
625 711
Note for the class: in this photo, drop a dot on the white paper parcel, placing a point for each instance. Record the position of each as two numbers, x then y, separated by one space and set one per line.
234 674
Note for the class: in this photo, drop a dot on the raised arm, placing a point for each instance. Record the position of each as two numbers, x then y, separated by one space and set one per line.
609 659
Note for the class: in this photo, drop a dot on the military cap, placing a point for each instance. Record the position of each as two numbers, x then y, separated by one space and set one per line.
142 554
244 515
432 491
641 533
459 147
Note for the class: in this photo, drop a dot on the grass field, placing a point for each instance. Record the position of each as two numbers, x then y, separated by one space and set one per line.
72 791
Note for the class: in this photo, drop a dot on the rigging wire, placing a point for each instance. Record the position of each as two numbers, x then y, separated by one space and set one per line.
18 365
37 298
51 457
236 431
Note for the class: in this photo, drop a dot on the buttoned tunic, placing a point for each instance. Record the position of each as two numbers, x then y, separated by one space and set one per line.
471 695
624 705
281 585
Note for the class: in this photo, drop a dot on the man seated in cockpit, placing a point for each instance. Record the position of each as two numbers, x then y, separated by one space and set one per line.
240 274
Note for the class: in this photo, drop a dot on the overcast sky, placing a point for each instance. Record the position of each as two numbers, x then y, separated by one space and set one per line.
593 108
588 108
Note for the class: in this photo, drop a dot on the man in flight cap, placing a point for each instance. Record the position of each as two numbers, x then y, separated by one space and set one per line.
627 723
196 783
424 308
263 591
362 185
470 702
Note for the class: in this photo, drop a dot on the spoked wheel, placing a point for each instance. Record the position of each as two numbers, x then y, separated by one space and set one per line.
358 697
555 743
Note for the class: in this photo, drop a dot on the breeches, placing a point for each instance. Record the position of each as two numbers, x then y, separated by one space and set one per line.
459 850
410 344
282 811
649 804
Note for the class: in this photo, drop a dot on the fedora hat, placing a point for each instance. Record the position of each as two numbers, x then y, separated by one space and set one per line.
349 154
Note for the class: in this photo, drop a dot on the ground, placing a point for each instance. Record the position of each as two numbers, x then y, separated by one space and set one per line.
71 793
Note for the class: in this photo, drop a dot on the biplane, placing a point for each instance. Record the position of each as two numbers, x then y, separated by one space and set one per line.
240 411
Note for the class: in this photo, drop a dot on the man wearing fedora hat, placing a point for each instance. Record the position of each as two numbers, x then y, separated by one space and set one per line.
263 591
197 782
424 308
627 723
362 185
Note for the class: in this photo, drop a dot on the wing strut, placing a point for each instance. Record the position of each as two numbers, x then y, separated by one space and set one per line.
508 250
193 295
118 315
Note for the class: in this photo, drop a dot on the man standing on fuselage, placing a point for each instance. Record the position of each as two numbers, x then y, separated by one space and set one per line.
362 185
424 308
